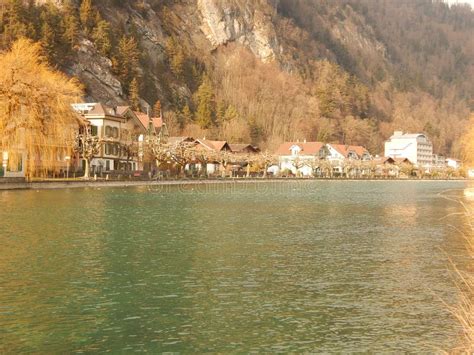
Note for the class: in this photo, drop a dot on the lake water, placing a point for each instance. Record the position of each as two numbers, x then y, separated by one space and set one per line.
327 266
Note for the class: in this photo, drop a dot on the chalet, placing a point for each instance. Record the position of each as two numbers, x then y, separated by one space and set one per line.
243 149
216 146
337 154
300 157
151 124
210 147
341 152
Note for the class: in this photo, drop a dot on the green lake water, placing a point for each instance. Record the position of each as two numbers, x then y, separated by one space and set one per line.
314 266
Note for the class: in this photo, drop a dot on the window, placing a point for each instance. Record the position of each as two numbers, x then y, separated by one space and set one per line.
115 132
94 130
111 149
108 131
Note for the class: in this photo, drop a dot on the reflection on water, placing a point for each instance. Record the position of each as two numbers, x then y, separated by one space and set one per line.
313 266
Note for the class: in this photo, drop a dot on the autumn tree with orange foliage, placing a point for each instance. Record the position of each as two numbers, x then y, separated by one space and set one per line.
36 117
468 144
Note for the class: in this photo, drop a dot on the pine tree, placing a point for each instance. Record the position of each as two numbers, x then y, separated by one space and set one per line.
205 107
176 57
48 41
101 37
127 60
220 111
71 24
134 95
14 22
157 109
186 116
231 113
86 14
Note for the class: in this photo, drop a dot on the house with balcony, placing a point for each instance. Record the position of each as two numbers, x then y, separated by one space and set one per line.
122 133
300 158
416 147
340 154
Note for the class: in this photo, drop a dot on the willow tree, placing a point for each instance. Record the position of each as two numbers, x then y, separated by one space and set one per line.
468 144
36 118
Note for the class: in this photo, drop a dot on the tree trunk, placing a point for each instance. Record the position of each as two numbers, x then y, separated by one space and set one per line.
86 169
248 171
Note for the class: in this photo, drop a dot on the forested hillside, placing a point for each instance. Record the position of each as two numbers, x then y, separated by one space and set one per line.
265 71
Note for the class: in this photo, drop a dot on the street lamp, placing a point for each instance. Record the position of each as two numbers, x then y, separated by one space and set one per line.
68 159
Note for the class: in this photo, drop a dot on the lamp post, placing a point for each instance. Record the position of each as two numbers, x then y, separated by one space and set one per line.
68 159
5 162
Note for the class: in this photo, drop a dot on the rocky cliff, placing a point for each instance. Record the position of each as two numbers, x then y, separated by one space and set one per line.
270 70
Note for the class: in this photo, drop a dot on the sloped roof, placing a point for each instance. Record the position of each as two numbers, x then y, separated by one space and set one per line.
144 119
100 109
346 149
402 160
384 160
307 148
122 109
174 140
241 148
214 145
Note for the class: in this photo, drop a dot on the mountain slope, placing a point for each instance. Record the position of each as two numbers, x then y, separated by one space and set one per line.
269 70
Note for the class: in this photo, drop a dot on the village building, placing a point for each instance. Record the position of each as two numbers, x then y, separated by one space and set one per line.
122 132
340 154
453 163
439 161
470 173
391 167
310 158
300 158
243 148
212 150
416 147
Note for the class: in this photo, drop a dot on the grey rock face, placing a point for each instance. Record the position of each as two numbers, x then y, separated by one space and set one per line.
248 24
96 72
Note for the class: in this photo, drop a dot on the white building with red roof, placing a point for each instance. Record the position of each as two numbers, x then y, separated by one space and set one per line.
304 158
300 157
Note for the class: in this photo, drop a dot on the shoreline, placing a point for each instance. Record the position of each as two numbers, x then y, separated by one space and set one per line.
62 184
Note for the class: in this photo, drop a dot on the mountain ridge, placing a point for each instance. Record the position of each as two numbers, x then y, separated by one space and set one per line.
351 71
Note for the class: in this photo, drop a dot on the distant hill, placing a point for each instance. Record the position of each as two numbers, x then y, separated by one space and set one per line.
265 71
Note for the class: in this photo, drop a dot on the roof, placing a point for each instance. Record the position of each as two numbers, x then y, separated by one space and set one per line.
101 109
400 135
145 120
346 149
242 148
174 140
122 109
214 145
402 160
384 160
307 148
